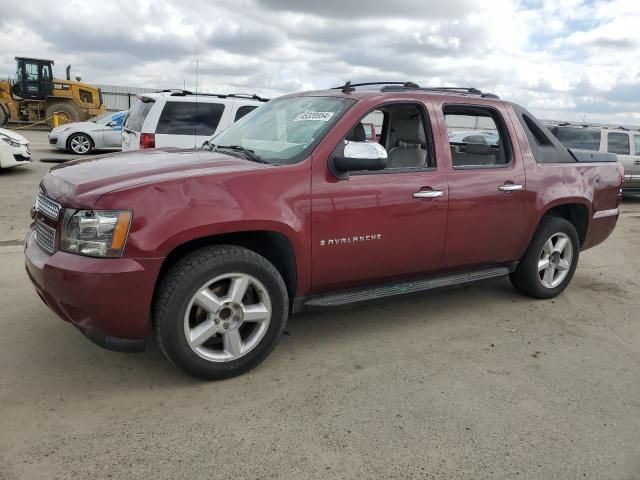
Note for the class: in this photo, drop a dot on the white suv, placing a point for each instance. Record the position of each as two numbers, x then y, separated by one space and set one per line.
178 118
624 142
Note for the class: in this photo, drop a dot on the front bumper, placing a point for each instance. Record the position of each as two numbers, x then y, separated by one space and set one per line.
108 299
58 140
14 156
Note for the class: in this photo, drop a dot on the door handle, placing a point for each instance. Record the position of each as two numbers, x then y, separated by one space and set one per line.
637 162
428 194
510 187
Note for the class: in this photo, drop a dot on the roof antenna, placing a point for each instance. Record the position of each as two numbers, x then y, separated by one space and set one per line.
195 120
348 88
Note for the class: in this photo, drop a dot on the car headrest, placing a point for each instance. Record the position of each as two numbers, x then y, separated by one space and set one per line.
410 131
357 134
478 148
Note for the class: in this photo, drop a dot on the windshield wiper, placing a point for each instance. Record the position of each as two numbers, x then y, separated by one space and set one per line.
250 154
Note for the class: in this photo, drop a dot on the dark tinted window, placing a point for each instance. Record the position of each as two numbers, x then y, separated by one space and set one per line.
189 118
242 111
137 114
578 137
618 143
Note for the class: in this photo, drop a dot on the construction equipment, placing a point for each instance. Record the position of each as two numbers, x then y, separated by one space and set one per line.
35 96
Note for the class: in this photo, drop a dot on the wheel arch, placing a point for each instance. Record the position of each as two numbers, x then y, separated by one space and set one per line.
576 212
272 245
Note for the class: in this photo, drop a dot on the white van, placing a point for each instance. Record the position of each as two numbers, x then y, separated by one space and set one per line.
624 142
178 118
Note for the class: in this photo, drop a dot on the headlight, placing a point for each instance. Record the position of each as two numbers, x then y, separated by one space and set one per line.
10 141
95 233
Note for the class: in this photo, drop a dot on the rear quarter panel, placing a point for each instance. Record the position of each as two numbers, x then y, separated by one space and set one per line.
596 186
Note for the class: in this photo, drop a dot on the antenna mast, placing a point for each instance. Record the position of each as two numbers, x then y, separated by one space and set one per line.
195 121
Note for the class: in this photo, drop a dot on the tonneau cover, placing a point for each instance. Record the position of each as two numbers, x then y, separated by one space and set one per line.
587 156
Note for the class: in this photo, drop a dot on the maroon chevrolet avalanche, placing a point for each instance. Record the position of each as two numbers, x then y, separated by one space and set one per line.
292 208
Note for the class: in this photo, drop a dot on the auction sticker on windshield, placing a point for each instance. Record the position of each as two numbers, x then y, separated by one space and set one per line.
322 116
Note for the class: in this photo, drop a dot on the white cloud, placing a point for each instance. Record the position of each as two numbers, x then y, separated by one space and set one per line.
563 59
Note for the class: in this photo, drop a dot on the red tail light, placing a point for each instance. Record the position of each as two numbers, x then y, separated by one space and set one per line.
147 140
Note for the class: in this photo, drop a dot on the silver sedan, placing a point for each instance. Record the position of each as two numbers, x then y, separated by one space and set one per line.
102 132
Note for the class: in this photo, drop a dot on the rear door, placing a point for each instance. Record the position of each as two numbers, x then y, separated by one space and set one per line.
134 121
486 187
620 144
187 123
635 167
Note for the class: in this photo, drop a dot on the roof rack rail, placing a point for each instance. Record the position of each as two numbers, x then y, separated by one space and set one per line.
176 92
350 87
251 96
398 86
462 90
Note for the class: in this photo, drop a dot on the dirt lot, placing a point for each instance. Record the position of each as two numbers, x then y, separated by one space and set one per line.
473 383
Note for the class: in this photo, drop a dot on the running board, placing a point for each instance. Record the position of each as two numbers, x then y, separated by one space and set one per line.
346 297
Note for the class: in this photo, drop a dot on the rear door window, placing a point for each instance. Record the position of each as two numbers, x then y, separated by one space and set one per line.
190 118
243 110
636 145
578 137
489 147
138 112
618 143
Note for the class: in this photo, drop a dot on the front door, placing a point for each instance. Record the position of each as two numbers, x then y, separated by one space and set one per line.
386 225
486 186
112 132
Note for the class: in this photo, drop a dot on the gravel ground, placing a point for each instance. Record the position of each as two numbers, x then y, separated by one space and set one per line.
473 383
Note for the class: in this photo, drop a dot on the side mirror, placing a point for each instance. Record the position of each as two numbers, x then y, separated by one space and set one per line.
358 156
111 123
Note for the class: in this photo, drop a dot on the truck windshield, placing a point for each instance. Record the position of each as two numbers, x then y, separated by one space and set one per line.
284 130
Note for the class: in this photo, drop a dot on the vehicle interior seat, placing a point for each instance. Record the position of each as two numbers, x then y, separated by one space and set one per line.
474 154
411 147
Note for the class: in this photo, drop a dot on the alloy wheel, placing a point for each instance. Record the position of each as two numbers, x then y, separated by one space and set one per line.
227 317
80 144
555 260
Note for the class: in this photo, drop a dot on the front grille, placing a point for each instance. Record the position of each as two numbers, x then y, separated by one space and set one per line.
47 206
45 236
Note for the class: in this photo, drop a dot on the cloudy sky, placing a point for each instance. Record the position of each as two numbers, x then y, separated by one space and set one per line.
562 59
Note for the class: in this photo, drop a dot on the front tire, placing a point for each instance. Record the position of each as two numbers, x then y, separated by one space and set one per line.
67 113
80 144
550 261
220 311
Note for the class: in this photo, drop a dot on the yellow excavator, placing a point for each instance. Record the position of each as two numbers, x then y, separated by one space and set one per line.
35 96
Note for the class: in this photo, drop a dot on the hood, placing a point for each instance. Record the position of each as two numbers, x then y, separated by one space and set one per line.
80 183
76 127
14 136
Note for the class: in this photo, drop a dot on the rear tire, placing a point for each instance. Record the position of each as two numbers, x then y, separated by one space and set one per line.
549 263
220 311
67 113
